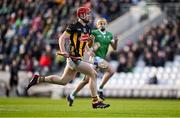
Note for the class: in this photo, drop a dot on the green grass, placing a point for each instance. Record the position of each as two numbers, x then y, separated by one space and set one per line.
44 107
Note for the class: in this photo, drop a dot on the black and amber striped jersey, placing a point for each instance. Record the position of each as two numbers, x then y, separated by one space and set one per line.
78 36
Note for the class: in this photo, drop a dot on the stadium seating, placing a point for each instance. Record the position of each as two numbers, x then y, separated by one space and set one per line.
4 82
136 84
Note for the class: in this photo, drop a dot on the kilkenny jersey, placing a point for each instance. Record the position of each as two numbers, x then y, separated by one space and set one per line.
104 39
78 36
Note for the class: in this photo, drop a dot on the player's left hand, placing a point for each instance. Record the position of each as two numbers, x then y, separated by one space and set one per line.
115 37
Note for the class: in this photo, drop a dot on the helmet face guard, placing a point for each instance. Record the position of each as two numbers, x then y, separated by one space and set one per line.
83 13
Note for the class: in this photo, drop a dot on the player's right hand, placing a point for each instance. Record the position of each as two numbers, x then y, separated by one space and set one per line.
65 54
91 37
116 37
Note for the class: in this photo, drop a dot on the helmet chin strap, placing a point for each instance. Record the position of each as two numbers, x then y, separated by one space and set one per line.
81 21
85 21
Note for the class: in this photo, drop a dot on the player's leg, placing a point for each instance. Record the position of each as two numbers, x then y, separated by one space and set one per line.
88 70
108 74
81 85
71 96
67 76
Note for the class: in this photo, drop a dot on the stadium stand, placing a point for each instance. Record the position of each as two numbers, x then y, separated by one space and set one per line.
30 27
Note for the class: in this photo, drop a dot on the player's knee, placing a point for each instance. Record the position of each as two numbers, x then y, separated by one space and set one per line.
64 83
93 74
85 81
111 71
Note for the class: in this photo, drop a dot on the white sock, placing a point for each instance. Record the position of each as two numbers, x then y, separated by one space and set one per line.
100 90
71 96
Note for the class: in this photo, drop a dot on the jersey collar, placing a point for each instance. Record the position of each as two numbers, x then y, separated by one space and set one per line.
102 32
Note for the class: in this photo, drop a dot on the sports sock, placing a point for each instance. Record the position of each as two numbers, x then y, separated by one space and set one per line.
94 99
100 89
41 79
74 93
72 96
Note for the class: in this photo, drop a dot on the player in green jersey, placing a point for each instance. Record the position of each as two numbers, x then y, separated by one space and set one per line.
103 39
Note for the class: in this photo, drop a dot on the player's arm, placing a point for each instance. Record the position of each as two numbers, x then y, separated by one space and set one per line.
94 46
91 40
62 39
89 50
65 36
114 42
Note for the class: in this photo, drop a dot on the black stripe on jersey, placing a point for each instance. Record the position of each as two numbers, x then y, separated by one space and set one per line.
72 44
83 47
78 44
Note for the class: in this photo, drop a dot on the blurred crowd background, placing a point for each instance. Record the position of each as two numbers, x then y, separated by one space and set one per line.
158 45
30 29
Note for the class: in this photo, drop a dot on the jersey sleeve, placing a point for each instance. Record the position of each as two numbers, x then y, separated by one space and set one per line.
93 32
111 36
70 29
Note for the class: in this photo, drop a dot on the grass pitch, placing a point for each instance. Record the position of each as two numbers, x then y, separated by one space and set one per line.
45 107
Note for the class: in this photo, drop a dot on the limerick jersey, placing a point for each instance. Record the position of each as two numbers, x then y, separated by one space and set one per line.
78 35
104 39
